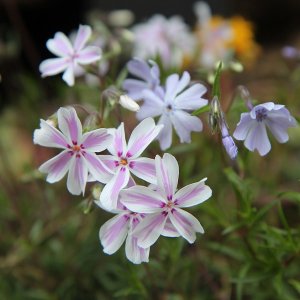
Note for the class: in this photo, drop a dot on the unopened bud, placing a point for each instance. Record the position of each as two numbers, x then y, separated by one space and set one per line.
128 103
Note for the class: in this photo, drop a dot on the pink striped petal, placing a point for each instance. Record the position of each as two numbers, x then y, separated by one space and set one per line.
69 76
110 162
53 66
186 224
141 137
193 194
149 230
97 168
56 167
141 199
88 55
112 234
49 136
110 193
96 140
167 172
77 176
60 45
134 253
169 230
144 168
83 34
69 124
118 146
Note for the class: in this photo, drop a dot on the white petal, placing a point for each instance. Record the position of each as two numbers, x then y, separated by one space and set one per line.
112 234
110 193
83 34
49 136
60 45
53 66
69 124
77 176
193 194
141 199
56 167
68 75
88 55
149 230
118 145
141 137
134 253
167 172
186 224
143 168
169 230
97 140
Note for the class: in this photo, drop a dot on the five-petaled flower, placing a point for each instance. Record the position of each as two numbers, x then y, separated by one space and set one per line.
163 207
252 126
78 157
125 159
71 55
113 233
174 106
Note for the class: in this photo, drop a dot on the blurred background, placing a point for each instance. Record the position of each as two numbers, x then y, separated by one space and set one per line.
49 246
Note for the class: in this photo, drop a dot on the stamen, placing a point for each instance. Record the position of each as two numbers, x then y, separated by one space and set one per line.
261 114
123 162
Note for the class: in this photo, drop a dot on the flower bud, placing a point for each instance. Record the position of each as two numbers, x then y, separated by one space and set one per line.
128 103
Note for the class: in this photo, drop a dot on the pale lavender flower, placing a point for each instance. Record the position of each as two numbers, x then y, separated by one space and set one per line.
228 142
252 126
71 56
163 207
78 157
290 52
125 159
170 39
148 78
115 231
174 107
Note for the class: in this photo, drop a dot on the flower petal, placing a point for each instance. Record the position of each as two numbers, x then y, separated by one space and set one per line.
186 224
141 199
110 161
83 34
193 194
68 75
153 105
167 172
60 45
112 234
56 167
143 168
184 124
141 137
171 86
77 176
149 230
69 124
257 138
96 140
191 99
118 146
134 88
110 193
243 127
169 230
134 253
49 136
53 66
140 69
89 55
165 135
97 168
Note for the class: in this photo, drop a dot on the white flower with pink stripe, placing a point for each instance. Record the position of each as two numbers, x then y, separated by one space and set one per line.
125 159
115 231
71 56
163 206
78 157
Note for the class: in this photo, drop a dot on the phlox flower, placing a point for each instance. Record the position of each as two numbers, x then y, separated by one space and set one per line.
115 231
163 207
148 78
71 56
170 39
174 106
125 159
78 157
252 126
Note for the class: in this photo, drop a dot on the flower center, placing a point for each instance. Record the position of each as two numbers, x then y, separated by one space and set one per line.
123 162
261 114
76 148
170 204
